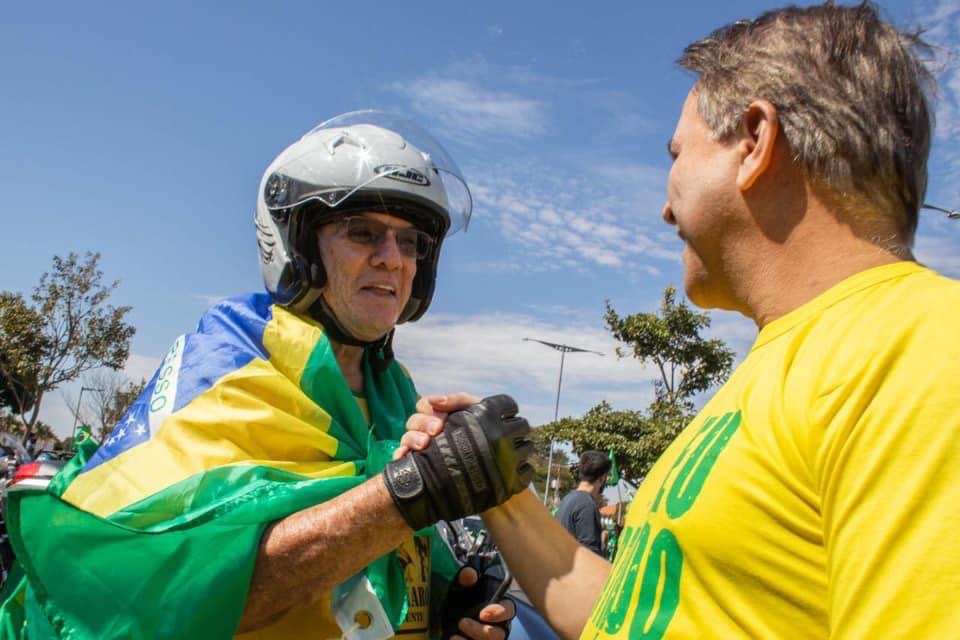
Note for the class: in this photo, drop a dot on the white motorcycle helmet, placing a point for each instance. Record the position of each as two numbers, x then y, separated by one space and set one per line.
358 161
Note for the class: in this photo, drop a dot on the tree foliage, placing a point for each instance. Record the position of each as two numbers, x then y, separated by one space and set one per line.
670 339
686 363
22 345
67 330
561 478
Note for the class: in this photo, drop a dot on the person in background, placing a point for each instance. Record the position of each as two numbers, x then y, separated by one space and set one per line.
578 511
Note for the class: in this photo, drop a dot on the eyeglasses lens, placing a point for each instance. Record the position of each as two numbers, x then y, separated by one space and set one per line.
412 243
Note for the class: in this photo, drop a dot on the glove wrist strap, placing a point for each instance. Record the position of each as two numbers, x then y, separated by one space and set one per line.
405 485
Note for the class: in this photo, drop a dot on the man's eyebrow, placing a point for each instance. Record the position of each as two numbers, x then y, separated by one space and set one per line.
672 148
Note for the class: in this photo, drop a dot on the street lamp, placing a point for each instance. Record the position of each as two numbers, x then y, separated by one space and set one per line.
564 349
76 414
951 213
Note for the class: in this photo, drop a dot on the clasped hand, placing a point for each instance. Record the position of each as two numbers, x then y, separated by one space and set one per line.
491 622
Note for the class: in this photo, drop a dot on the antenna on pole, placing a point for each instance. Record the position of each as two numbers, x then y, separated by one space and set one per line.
564 349
953 214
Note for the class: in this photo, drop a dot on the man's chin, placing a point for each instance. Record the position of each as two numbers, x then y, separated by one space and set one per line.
372 335
373 331
700 293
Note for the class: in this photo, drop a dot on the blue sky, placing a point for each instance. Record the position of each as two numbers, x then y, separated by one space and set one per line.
141 132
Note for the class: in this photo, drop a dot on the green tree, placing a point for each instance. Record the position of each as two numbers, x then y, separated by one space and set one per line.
561 478
12 393
69 329
21 346
687 364
670 339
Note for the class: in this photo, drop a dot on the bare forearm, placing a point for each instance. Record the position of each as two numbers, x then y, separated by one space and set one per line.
562 578
312 551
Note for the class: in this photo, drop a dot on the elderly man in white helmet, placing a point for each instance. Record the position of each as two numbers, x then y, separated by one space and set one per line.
255 487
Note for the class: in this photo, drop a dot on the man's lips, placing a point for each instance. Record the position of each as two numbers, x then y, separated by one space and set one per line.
380 289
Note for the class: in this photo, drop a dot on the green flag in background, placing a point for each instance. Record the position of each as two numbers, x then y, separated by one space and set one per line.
614 477
83 434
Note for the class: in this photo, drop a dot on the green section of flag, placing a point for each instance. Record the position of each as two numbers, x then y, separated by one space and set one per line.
178 564
614 476
192 547
200 573
13 609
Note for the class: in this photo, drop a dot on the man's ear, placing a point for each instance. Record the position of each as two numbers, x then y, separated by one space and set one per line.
760 128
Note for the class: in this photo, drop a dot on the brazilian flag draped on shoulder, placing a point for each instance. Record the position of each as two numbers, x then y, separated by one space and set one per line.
155 534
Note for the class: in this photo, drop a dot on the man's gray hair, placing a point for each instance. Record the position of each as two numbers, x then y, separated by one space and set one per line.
852 92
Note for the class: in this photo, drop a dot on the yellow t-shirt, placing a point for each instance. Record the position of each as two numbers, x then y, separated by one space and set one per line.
817 495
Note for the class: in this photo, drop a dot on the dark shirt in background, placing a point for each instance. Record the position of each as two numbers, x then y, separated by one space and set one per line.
579 515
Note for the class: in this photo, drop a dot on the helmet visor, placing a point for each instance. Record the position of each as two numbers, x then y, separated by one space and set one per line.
369 151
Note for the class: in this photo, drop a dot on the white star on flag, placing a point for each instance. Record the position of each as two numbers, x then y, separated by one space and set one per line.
130 419
139 430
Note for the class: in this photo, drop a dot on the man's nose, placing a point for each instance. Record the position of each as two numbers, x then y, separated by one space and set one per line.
667 214
387 252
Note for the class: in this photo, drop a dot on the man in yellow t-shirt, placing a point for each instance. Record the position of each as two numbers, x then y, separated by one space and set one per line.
817 495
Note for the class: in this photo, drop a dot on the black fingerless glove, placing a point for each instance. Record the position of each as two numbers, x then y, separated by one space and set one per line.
477 462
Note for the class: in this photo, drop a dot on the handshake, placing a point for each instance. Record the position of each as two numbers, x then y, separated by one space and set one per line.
477 462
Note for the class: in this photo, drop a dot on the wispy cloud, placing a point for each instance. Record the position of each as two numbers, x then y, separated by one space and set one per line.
623 110
584 217
208 299
141 367
486 354
470 113
938 246
478 102
942 21
938 239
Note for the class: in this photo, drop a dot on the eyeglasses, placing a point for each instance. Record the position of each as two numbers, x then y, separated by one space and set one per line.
369 232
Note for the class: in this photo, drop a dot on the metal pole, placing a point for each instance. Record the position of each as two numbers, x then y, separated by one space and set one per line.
76 414
556 414
564 349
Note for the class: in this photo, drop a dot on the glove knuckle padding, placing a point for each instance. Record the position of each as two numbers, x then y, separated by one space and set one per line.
477 462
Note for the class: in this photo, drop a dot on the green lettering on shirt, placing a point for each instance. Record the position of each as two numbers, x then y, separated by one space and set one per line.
613 611
660 575
659 595
683 493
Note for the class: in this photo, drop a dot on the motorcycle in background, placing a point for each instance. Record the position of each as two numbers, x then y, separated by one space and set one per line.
471 543
19 470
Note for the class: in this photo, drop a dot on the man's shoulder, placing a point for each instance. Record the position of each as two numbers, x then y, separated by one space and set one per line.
921 300
576 499
874 306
